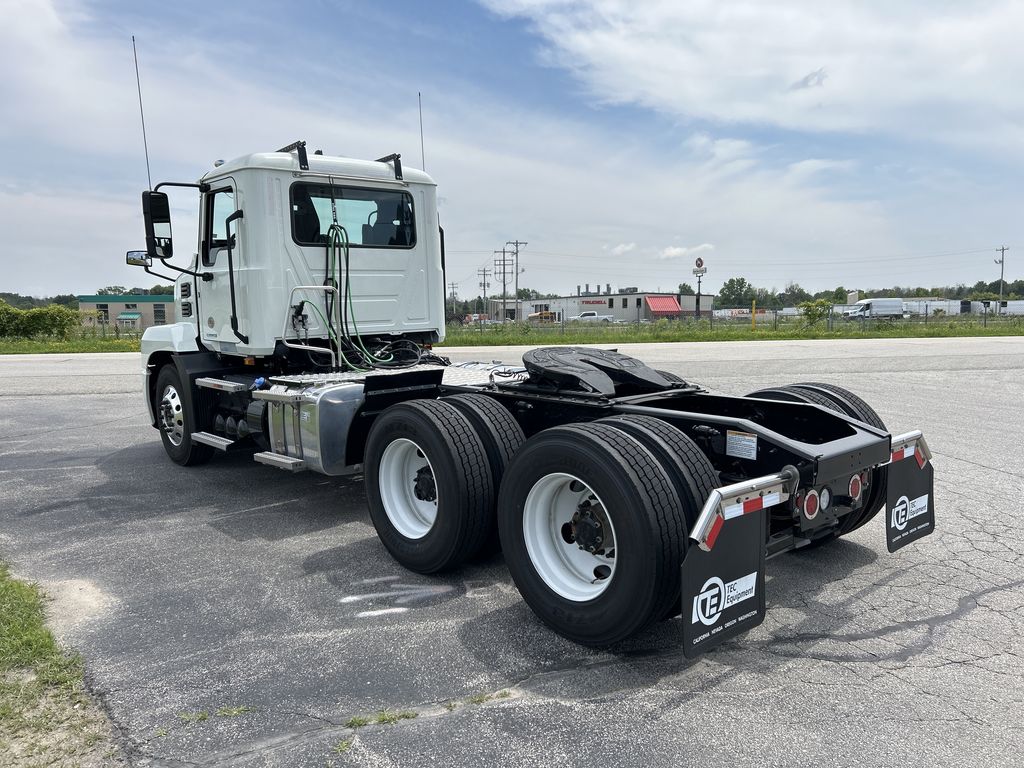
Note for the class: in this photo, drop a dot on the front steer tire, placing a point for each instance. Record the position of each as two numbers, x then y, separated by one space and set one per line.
575 467
428 485
176 422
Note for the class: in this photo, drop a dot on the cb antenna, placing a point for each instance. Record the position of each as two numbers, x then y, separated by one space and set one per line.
423 159
142 114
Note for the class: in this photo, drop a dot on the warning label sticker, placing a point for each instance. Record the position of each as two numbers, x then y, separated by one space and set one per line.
742 445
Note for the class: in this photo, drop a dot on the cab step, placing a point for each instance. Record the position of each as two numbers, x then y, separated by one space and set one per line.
216 441
221 385
291 463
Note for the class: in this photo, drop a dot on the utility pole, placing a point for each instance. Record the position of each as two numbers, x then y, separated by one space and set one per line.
516 244
502 265
484 285
452 287
1001 261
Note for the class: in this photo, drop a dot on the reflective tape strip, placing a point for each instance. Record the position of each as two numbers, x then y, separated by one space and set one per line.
716 528
751 505
905 452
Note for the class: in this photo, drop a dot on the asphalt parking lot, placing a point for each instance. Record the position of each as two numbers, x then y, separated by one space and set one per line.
238 585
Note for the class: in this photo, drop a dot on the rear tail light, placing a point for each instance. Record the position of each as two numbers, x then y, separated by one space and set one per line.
856 487
811 504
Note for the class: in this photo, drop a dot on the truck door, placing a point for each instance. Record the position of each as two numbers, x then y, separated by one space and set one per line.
214 306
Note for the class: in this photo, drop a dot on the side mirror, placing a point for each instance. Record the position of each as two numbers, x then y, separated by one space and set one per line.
156 210
138 259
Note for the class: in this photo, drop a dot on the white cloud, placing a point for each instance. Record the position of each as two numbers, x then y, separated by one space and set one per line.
682 252
770 221
946 72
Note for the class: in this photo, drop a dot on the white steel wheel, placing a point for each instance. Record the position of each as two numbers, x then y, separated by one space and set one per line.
569 537
172 415
408 488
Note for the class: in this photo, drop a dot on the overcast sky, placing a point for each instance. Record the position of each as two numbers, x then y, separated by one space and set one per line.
856 143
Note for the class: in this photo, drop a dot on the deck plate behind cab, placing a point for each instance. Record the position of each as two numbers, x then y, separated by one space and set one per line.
590 370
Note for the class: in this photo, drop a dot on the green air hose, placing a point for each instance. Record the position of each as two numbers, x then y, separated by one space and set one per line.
337 240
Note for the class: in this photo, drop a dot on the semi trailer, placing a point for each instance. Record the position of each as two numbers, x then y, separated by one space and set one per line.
620 495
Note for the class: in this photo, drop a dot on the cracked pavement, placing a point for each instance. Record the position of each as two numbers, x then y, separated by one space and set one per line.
237 585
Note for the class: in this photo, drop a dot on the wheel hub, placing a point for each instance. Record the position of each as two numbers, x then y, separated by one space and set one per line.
172 418
587 529
424 486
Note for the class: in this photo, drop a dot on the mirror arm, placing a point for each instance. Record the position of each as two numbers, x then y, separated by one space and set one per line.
206 276
202 186
157 274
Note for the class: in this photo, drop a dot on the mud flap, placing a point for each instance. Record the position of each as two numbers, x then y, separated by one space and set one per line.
909 501
723 589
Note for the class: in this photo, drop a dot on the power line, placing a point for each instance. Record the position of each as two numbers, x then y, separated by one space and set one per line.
1001 261
516 244
502 265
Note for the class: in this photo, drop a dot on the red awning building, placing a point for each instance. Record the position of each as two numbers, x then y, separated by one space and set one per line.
663 306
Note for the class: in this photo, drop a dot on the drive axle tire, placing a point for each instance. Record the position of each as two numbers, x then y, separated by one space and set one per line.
592 532
852 405
175 421
691 473
501 436
428 485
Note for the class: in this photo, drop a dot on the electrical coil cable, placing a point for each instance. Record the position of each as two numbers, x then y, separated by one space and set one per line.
400 353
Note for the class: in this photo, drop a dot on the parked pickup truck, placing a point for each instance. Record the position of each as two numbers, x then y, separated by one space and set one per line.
592 317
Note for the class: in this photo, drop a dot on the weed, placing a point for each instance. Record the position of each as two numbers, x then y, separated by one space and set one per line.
232 711
385 717
450 705
483 698
193 717
161 732
357 722
342 746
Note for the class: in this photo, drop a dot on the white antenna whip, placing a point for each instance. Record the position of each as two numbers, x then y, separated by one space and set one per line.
423 159
142 114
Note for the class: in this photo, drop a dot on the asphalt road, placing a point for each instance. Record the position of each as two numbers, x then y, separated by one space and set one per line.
238 585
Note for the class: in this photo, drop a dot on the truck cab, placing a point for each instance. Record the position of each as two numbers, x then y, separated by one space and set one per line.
295 246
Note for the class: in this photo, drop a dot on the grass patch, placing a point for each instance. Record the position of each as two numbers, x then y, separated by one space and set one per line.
342 746
232 711
387 717
45 713
512 334
483 698
357 722
193 717
73 343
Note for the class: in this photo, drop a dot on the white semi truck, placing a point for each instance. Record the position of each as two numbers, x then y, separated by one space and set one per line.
620 495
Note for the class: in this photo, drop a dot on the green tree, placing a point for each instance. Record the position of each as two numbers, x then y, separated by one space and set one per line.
112 290
736 292
815 311
161 290
686 289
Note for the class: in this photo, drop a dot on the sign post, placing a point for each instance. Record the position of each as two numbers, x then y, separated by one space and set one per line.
699 271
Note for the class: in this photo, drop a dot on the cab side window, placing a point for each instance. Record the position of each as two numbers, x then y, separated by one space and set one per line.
219 206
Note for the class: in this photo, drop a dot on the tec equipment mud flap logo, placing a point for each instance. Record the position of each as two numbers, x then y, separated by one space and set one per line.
715 596
723 589
707 605
906 510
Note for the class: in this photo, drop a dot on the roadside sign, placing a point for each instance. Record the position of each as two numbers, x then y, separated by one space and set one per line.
700 262
700 270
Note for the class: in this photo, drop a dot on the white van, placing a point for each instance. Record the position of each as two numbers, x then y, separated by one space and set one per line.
876 308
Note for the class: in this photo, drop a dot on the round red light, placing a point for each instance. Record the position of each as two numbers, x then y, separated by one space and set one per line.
856 486
811 505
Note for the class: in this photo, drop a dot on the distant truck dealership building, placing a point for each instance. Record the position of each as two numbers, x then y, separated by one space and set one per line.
127 311
627 305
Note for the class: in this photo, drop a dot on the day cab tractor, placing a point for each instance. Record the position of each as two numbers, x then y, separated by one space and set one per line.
620 495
